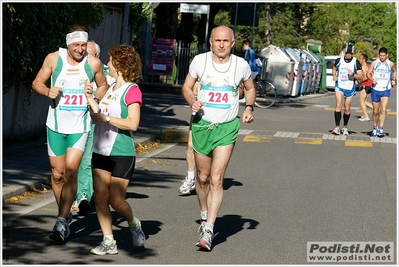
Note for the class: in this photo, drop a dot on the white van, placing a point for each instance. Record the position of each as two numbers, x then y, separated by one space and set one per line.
330 60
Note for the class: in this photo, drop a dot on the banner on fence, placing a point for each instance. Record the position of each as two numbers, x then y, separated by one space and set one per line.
162 55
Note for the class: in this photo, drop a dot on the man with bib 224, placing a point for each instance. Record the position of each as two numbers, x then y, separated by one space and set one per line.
68 121
215 125
345 72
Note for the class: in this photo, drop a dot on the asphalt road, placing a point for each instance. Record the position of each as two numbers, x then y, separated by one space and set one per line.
289 182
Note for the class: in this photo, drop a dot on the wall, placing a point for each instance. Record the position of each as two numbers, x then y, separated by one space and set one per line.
108 35
25 113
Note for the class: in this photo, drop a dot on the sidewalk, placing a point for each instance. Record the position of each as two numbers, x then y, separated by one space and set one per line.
26 165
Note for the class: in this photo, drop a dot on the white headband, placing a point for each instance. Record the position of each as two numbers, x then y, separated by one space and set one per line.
74 37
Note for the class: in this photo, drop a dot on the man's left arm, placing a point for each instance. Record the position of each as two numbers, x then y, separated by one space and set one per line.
250 95
393 68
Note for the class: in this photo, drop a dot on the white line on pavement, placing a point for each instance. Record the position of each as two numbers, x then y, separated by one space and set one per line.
149 155
8 219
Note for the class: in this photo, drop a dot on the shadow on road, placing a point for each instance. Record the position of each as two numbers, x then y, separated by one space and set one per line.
229 225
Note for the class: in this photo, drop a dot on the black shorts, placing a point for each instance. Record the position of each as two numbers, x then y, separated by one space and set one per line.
366 88
118 166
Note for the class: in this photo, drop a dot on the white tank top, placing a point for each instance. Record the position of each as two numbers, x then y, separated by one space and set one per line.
344 82
382 72
68 113
219 85
109 140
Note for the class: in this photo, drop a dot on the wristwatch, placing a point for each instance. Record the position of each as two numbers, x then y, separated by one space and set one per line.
252 107
107 119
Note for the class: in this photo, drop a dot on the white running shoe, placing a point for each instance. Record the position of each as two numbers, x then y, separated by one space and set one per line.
187 186
363 118
374 132
105 248
205 240
336 131
380 132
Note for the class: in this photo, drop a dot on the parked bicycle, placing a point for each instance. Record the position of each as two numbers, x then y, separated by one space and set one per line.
266 93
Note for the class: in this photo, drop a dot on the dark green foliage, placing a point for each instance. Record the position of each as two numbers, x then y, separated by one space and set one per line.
31 31
165 21
338 23
333 23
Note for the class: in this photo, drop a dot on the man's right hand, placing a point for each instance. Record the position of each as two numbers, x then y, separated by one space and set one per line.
196 106
54 92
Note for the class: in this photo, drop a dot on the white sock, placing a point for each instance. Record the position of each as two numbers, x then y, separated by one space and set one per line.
133 223
204 215
108 238
191 175
209 226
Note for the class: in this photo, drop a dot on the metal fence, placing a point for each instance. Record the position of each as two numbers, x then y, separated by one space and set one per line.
184 54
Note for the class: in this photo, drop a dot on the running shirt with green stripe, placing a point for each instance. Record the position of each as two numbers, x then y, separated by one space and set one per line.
108 139
218 85
67 113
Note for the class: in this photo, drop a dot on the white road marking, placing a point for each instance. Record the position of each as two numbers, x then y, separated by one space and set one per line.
8 219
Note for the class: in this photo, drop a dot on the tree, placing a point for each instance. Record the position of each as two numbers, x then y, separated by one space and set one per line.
165 21
136 17
334 24
280 24
338 23
289 24
31 31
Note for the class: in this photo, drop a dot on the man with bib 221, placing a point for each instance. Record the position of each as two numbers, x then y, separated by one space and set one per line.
345 72
382 72
68 121
215 125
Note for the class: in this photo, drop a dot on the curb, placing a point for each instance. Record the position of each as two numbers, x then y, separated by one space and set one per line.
175 134
20 189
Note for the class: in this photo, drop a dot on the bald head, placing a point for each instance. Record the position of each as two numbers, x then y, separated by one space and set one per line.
221 42
93 49
224 29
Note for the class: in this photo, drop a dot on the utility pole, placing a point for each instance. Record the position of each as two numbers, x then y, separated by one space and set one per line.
235 24
151 6
253 25
125 25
